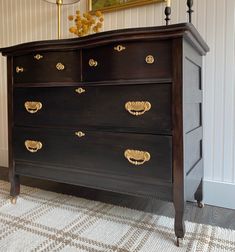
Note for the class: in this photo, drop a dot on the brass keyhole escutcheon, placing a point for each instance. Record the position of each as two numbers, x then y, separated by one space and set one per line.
119 48
38 56
80 90
149 59
79 134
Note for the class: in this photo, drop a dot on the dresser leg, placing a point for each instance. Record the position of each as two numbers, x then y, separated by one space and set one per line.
179 226
15 188
198 196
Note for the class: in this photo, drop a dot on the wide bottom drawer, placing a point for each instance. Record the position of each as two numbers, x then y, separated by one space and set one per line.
133 156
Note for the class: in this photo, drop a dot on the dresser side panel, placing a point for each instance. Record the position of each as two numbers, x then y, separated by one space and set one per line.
192 117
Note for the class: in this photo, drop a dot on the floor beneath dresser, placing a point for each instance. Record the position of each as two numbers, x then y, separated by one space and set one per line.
208 215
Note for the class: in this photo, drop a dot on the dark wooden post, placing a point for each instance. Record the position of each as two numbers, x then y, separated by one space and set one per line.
167 13
190 11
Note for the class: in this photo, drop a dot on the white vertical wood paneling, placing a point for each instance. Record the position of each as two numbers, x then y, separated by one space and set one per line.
208 115
229 88
218 91
28 20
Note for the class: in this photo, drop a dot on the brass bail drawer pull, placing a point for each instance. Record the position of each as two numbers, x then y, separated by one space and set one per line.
137 108
93 63
19 69
80 90
32 106
33 146
137 157
79 134
60 66
119 48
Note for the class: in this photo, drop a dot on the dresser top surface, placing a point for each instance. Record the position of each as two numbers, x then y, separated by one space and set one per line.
183 30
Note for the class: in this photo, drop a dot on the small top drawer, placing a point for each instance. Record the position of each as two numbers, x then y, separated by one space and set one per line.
128 60
44 67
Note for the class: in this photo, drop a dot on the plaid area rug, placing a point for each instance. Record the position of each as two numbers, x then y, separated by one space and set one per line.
47 221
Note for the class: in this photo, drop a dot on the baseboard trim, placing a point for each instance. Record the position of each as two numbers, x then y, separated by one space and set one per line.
219 194
3 158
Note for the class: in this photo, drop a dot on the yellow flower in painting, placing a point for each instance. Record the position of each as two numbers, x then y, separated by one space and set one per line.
101 19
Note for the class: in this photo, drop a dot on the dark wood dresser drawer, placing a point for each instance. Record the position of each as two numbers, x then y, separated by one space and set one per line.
141 108
47 67
139 156
129 60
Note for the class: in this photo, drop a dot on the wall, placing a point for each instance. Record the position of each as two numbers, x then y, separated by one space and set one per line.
28 20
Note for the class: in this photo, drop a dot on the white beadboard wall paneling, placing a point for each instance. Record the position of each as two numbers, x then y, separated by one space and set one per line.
29 20
208 92
229 89
219 91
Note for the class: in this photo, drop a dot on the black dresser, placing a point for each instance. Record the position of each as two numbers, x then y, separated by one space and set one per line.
118 111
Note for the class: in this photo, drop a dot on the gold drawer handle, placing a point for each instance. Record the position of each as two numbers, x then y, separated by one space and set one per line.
137 157
79 134
149 59
19 69
60 66
93 63
119 48
80 90
137 108
38 56
32 107
33 146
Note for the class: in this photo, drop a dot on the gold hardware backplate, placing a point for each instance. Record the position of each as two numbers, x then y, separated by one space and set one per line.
149 59
32 106
137 157
60 66
33 146
119 48
138 108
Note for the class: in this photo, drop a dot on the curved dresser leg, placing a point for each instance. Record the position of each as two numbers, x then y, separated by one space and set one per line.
15 188
179 226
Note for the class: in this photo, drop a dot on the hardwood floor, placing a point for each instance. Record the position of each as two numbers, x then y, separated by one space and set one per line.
208 215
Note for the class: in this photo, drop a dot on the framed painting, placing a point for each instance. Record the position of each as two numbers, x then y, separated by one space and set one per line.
113 5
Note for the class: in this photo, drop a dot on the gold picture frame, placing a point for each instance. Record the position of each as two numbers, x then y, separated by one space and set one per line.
94 5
